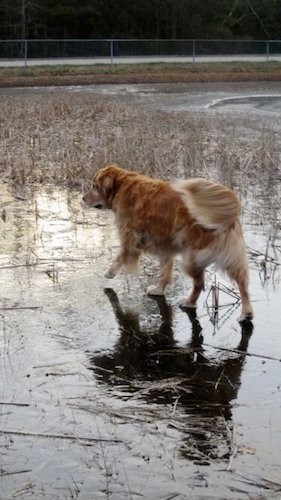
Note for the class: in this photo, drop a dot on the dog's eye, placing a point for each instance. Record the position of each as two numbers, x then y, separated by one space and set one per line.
95 187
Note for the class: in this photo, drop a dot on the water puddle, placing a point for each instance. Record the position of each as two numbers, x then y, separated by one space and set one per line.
106 392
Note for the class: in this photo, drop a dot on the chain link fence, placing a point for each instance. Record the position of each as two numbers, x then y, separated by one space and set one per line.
26 52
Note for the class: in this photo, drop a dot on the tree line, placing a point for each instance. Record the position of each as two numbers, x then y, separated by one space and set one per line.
179 19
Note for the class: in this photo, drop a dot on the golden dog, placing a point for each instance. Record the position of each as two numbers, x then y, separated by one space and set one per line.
197 218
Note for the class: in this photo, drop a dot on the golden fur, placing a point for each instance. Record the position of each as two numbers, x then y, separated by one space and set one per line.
197 218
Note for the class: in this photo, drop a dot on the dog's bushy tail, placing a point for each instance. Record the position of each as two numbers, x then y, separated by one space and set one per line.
212 205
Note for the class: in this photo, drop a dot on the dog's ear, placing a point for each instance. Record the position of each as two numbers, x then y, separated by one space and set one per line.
107 183
107 188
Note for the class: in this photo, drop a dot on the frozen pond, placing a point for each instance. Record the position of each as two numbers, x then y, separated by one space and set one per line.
262 96
107 393
265 97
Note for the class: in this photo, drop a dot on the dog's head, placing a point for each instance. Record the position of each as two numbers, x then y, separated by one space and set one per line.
105 184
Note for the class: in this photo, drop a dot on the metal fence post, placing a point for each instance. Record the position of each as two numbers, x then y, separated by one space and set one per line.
193 51
267 51
25 56
111 52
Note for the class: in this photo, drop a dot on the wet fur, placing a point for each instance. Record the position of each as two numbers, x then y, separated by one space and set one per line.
197 218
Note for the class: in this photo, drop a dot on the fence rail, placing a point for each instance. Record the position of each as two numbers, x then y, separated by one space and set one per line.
43 51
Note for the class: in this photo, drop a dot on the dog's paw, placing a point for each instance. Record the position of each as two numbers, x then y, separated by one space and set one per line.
110 274
155 290
185 304
246 316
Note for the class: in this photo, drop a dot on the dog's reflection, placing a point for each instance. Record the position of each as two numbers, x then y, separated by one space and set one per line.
148 353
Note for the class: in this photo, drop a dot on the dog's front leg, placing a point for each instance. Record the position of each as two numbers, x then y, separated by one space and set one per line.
115 266
126 259
165 277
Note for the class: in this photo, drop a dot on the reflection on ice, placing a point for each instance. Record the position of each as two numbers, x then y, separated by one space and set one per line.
146 363
48 226
56 216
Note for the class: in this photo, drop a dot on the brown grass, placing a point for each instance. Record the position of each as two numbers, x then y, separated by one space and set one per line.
63 137
140 73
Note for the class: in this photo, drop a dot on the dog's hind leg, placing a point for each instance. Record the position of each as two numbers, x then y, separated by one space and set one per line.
241 276
165 277
198 285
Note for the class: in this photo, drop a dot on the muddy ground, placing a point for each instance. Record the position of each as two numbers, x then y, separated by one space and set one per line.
107 393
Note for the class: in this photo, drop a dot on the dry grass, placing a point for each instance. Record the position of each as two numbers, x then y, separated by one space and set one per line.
63 137
140 73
